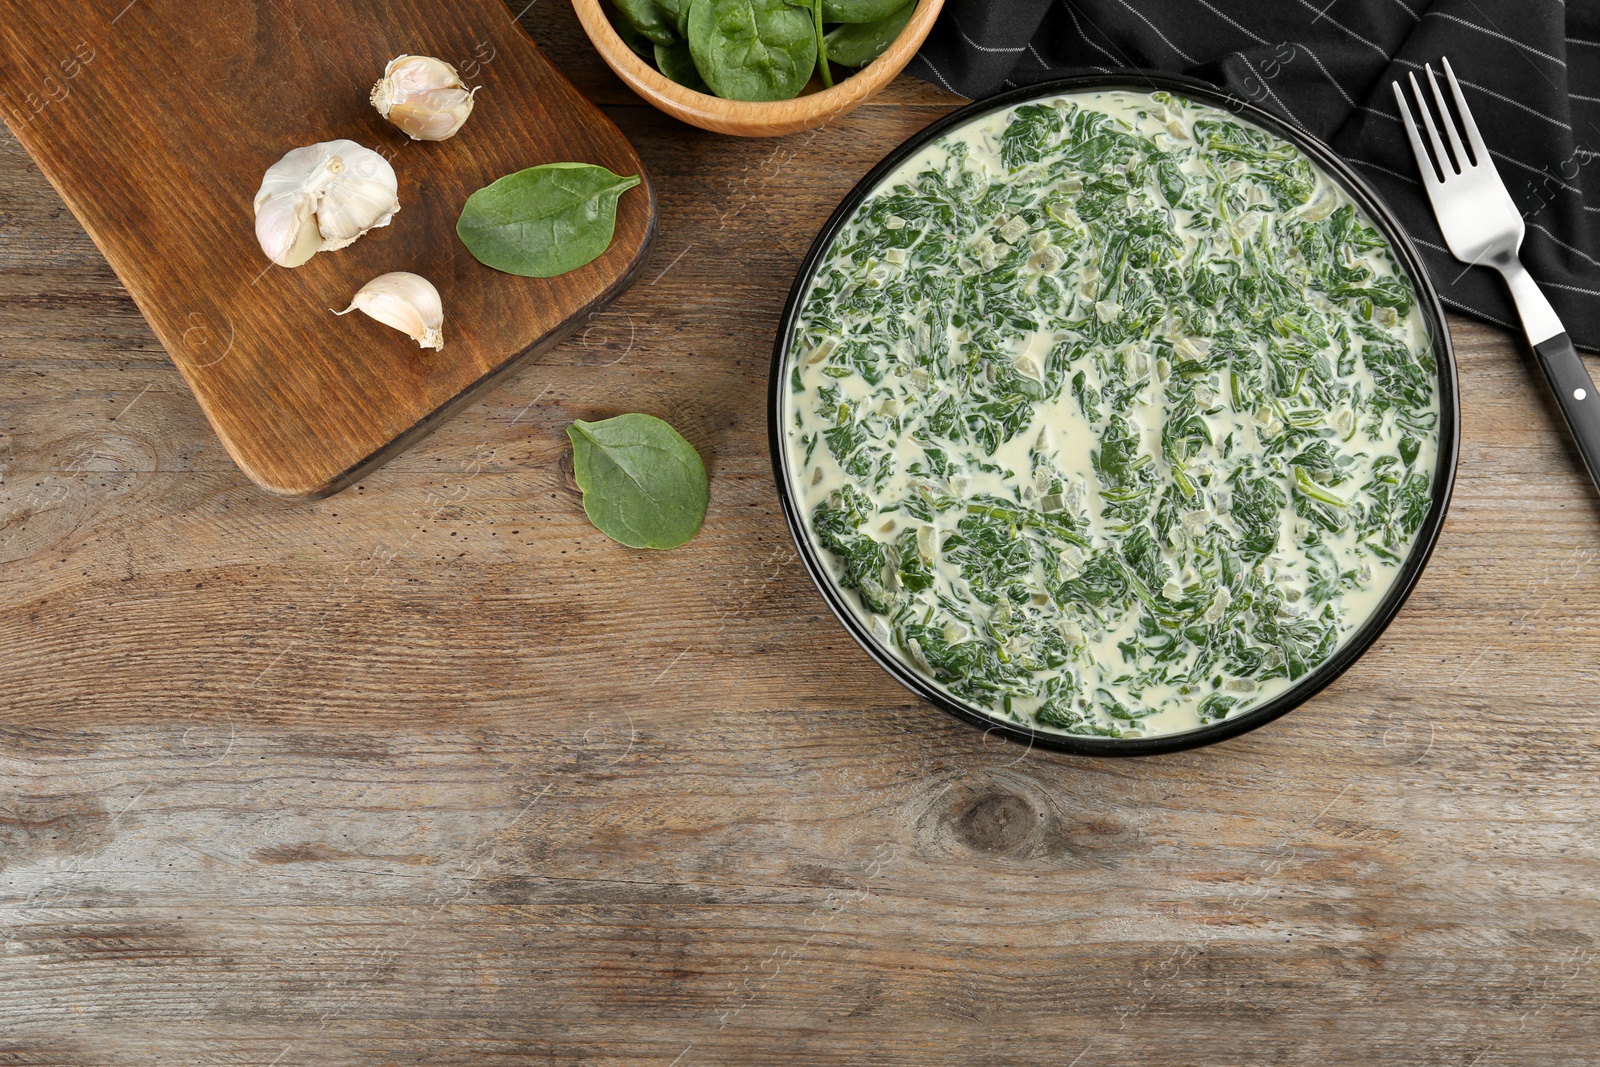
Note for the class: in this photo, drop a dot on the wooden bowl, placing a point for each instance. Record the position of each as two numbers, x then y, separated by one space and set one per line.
744 118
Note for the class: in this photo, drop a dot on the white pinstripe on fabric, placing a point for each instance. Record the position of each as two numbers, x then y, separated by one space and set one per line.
1563 244
1450 302
1262 40
1495 33
1325 74
1353 34
1541 171
1077 26
1547 284
982 47
1225 18
936 73
1386 170
1167 40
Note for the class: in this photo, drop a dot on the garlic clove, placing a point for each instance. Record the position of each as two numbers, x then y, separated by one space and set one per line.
322 197
435 116
407 302
358 207
286 226
364 195
424 97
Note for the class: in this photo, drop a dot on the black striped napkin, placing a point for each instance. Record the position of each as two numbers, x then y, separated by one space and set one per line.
1530 70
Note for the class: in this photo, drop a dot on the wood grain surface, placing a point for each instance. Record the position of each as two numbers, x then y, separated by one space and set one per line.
432 773
156 120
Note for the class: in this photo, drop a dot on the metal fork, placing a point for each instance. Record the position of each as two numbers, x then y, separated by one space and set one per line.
1482 226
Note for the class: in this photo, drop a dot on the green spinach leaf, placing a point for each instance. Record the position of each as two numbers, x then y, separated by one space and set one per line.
858 10
650 18
855 44
643 484
630 36
752 49
545 220
675 61
678 13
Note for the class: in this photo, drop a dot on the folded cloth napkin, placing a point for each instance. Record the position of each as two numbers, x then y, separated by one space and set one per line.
1530 70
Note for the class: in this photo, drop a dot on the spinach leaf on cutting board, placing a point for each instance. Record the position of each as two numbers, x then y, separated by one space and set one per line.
752 49
545 220
643 484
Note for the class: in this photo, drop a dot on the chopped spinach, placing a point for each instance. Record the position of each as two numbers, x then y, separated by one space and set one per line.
1127 419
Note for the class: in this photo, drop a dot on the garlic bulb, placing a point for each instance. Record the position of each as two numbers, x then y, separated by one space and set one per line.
323 197
408 302
423 96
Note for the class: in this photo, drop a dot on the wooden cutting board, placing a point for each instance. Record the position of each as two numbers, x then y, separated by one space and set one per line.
155 120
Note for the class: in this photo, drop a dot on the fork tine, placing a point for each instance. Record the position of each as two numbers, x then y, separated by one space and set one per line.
1430 178
1445 170
1480 151
1462 162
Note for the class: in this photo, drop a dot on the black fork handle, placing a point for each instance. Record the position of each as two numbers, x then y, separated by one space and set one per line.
1575 394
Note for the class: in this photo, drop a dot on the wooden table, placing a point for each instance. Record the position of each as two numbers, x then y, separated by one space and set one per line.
432 773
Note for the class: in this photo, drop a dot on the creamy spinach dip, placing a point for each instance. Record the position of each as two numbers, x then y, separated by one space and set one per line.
1111 413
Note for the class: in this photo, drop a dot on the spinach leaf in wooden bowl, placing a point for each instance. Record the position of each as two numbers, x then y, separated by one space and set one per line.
752 49
758 50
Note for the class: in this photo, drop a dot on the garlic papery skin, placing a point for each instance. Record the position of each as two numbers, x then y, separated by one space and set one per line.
322 197
424 97
408 302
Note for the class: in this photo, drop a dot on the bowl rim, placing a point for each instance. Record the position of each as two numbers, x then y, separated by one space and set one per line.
840 98
1410 571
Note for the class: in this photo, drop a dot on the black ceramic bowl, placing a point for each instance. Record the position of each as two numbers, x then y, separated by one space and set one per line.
1357 643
